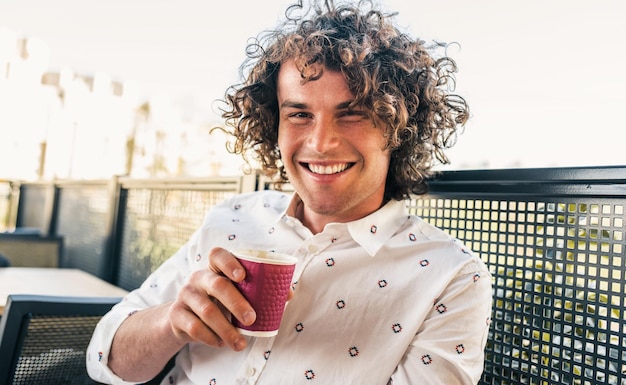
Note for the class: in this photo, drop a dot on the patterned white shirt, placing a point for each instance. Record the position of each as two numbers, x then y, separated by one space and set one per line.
387 299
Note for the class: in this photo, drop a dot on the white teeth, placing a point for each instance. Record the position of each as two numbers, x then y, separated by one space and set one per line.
327 170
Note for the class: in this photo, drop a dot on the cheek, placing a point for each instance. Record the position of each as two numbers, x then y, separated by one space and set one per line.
374 146
381 158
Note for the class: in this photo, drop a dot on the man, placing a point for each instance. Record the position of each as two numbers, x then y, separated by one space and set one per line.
353 114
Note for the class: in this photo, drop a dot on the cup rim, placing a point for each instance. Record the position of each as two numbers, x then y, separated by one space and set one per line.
253 256
257 333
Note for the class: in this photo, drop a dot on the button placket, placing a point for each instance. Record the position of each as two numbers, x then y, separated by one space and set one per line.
255 361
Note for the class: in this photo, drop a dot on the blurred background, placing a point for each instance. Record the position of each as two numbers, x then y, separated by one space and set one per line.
95 88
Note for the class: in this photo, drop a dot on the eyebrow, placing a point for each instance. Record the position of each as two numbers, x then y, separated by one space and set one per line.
303 106
290 104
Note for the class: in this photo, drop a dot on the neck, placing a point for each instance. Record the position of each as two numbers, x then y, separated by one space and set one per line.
316 222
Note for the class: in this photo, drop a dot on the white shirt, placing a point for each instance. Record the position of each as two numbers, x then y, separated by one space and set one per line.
387 299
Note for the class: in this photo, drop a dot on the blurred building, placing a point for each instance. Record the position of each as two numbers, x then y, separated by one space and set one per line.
61 124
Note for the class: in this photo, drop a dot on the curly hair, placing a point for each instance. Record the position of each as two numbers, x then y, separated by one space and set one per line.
406 89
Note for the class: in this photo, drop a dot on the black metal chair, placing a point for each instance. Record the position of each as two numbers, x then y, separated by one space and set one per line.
44 338
31 250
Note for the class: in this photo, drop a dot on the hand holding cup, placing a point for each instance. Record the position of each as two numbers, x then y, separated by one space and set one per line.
266 287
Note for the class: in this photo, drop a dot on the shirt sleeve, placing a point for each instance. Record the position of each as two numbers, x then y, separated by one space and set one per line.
449 347
161 286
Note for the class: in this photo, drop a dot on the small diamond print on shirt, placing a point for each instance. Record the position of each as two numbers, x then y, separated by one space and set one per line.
345 349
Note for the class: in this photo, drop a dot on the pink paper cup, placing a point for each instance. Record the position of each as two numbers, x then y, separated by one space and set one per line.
266 287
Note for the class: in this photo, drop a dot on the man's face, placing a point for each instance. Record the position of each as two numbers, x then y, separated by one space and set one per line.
334 157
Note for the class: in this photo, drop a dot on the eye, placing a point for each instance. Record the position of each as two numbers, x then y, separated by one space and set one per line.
298 118
353 116
299 115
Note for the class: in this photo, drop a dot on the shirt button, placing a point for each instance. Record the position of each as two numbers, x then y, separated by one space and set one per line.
312 248
250 372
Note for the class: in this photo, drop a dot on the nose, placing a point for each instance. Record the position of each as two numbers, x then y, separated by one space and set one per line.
323 136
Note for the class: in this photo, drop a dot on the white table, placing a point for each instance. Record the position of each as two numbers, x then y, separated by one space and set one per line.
53 281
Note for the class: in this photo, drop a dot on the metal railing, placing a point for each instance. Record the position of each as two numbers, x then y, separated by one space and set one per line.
554 241
121 229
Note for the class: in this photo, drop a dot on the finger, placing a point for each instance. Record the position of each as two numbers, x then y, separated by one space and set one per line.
222 261
224 291
213 298
204 319
213 316
291 294
188 326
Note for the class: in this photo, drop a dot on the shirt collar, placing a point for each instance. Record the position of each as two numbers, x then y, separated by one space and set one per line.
374 230
370 232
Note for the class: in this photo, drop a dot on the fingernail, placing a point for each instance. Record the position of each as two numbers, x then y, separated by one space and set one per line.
239 343
238 274
249 317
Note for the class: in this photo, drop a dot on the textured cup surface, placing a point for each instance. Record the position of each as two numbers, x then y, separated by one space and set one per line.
266 287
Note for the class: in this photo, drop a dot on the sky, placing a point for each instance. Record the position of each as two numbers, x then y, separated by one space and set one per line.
545 80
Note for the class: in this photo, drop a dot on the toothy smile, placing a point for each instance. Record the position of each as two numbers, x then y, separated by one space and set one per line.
327 169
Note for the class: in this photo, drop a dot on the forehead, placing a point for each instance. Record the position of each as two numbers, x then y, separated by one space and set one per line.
331 85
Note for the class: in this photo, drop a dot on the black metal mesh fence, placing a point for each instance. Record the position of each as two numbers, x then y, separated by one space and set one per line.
156 223
82 220
34 213
559 273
